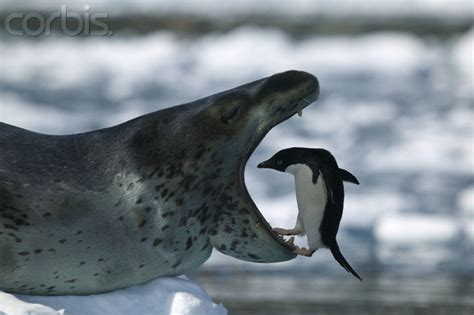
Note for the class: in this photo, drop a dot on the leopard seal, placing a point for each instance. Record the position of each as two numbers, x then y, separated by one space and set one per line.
102 210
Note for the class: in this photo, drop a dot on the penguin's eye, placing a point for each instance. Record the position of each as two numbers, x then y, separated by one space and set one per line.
279 162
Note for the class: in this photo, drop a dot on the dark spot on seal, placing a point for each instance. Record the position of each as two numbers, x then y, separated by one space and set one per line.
130 186
82 263
170 196
164 193
165 227
51 288
78 232
205 246
183 221
96 274
46 215
222 247
152 173
158 187
24 253
179 202
148 209
141 266
70 281
253 256
157 242
176 264
228 229
139 200
38 251
11 227
62 241
100 259
52 250
121 218
244 211
189 243
143 239
142 224
167 214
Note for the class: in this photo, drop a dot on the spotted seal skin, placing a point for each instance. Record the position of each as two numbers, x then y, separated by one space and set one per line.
107 209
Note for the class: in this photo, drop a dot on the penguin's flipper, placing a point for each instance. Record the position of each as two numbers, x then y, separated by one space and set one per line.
336 252
348 177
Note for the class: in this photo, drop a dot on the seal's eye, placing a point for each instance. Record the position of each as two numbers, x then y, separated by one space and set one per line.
227 115
279 162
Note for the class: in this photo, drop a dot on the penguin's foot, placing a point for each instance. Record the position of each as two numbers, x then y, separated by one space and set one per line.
281 231
290 241
304 251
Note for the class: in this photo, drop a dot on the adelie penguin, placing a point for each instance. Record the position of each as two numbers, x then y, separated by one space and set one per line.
319 195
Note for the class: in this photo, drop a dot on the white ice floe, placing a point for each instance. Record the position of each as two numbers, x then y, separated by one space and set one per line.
463 53
415 229
163 296
465 201
10 305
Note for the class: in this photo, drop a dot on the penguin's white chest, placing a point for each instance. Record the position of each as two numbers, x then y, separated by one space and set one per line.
311 199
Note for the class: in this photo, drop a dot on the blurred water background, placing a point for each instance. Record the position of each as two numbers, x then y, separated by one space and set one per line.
396 109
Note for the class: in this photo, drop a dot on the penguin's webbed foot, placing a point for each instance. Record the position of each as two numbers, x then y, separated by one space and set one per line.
281 231
304 251
291 241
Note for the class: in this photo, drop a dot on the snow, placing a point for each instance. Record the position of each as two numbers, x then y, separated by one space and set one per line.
162 296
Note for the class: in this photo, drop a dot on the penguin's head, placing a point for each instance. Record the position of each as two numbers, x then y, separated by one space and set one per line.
283 159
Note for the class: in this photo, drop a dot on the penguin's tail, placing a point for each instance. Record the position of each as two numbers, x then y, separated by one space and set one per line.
336 252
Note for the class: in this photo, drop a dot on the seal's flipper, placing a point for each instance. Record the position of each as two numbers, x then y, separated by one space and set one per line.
348 177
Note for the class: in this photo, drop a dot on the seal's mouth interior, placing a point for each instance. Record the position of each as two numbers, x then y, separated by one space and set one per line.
301 103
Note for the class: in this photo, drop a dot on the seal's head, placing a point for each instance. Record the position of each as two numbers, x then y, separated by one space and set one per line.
217 135
115 207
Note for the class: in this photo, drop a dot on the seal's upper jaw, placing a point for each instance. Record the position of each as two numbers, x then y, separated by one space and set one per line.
277 98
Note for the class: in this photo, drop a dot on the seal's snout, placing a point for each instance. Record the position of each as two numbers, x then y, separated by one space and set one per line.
301 81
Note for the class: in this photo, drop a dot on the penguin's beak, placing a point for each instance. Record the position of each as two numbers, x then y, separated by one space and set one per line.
265 164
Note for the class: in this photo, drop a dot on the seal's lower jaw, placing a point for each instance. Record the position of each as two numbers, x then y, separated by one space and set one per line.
276 248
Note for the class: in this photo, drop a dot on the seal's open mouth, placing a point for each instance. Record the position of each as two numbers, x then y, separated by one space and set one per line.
293 107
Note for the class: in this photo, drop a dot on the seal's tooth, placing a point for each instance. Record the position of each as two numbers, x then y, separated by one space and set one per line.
300 112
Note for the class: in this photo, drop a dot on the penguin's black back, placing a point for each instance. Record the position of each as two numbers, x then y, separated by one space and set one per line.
321 160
